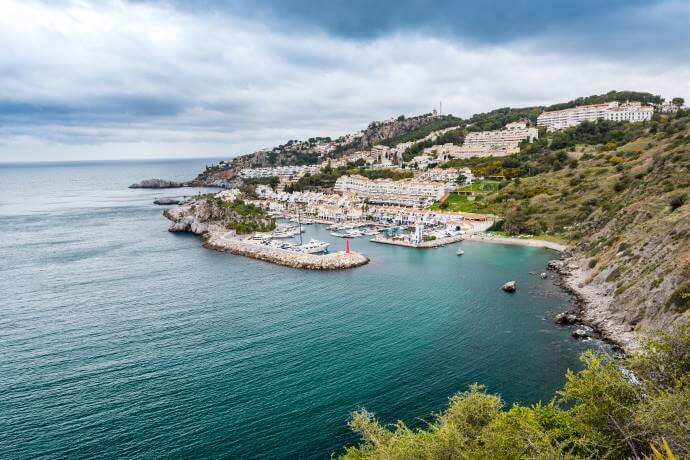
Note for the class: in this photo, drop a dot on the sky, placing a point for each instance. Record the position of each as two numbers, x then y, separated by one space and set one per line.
141 79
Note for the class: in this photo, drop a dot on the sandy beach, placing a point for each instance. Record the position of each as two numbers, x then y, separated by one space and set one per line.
485 238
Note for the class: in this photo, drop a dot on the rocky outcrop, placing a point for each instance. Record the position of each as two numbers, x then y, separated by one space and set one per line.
166 201
192 218
567 318
510 286
158 183
583 332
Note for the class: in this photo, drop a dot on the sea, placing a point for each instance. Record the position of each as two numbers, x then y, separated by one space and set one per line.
119 339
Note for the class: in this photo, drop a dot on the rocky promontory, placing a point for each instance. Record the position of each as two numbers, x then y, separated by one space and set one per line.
158 183
204 218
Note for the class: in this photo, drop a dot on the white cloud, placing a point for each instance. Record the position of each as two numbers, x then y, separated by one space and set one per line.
122 80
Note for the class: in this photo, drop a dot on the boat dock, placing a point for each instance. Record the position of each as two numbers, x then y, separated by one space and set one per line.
424 244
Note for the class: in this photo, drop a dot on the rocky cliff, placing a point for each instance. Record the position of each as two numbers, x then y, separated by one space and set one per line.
211 214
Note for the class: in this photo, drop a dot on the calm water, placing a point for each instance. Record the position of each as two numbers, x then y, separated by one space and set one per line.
120 339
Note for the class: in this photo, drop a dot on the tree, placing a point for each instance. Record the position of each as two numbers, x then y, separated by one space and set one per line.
461 179
678 101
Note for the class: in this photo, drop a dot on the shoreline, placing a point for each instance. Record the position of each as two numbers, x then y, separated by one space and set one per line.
593 302
485 238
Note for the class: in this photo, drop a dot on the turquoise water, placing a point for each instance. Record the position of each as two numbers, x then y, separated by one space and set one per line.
120 339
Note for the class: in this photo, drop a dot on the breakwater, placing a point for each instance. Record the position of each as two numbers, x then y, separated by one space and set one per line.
242 247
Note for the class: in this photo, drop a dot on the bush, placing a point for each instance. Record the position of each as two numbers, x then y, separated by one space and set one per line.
607 410
678 201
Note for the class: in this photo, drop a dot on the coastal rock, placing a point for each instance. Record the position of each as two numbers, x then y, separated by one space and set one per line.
555 265
583 332
510 286
567 318
166 201
183 225
157 183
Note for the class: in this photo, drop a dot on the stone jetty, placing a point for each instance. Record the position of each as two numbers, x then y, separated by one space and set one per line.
243 247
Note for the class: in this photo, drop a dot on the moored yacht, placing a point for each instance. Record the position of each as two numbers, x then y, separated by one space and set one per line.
313 247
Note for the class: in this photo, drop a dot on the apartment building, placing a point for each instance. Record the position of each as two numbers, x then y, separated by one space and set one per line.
614 111
278 171
406 192
497 143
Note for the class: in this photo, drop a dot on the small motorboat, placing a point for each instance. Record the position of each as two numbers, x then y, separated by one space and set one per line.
460 252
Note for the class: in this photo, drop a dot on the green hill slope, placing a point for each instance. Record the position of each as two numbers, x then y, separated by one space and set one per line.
619 193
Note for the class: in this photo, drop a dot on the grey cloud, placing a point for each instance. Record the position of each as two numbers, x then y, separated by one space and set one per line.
148 74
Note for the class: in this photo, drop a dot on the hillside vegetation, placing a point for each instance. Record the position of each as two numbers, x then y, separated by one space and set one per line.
235 215
609 409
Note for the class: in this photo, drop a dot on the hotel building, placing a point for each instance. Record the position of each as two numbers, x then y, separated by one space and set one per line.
614 111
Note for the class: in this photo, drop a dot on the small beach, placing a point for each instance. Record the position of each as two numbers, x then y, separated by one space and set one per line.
486 238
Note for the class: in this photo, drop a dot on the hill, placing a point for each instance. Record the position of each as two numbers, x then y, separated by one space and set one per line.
309 152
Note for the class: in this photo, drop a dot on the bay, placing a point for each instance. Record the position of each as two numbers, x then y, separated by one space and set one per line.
120 339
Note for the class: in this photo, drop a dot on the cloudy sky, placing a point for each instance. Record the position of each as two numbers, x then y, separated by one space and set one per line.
119 79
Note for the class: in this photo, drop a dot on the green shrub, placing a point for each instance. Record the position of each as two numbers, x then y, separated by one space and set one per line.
601 412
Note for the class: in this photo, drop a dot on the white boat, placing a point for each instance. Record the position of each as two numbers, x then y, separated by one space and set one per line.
353 234
370 232
460 252
339 235
313 247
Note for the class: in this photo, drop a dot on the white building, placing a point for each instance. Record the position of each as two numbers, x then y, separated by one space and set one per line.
279 171
614 111
406 192
448 175
496 143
